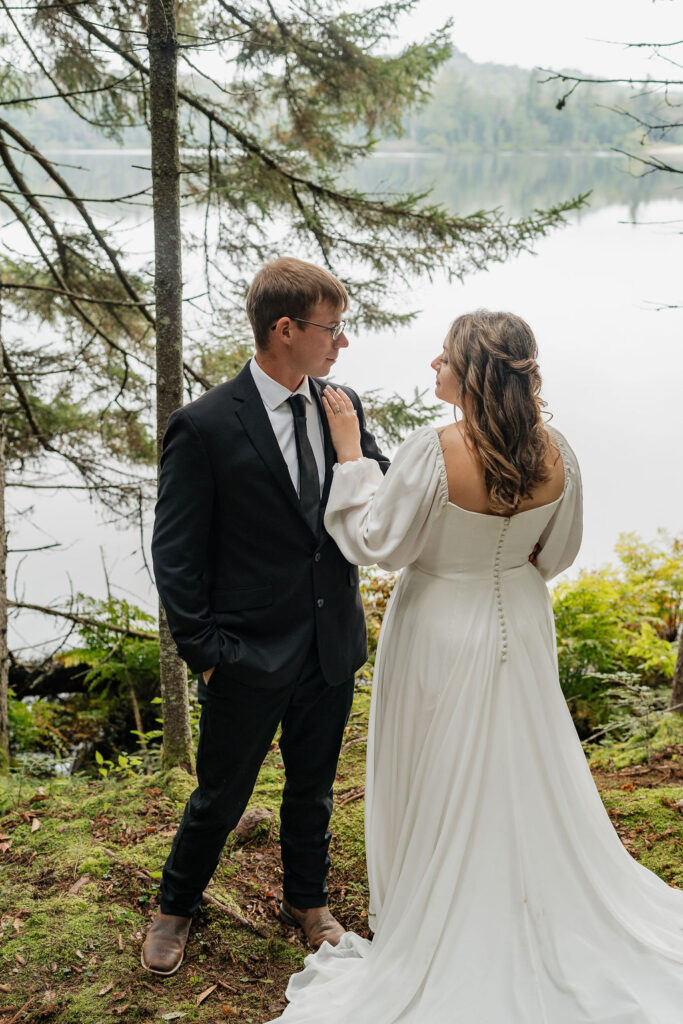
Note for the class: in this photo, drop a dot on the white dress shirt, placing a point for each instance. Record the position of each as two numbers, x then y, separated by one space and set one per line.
274 397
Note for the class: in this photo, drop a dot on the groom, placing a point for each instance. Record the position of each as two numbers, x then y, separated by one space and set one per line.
260 600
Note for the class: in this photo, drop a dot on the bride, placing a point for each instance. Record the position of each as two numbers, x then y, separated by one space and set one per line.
499 891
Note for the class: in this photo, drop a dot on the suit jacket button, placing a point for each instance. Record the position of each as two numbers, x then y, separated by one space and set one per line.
320 602
317 556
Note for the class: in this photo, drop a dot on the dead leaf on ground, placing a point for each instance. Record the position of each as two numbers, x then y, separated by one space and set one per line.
4 847
120 940
205 994
35 824
83 880
4 988
107 988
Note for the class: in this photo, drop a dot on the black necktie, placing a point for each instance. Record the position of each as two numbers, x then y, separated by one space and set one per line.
309 481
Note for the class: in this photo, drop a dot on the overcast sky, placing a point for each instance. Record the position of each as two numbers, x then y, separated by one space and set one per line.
534 33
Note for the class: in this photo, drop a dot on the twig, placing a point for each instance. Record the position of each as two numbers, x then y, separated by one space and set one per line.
352 743
19 1012
245 922
351 796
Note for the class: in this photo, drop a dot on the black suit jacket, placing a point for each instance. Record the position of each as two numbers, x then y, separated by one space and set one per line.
245 583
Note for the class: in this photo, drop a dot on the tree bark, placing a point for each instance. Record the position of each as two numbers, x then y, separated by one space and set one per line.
4 653
163 107
676 703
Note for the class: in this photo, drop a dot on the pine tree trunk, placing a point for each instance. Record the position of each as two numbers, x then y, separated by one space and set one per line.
4 654
676 703
163 106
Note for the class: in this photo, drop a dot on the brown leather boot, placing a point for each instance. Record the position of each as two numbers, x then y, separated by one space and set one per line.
317 923
164 946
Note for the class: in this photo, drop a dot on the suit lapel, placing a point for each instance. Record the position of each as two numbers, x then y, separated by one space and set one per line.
330 456
254 419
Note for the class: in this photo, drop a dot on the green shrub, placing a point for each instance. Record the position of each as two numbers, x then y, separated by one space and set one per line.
616 632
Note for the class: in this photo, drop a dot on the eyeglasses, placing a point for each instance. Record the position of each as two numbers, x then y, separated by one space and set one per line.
336 330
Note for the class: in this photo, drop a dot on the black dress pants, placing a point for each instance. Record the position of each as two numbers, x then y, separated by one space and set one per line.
236 728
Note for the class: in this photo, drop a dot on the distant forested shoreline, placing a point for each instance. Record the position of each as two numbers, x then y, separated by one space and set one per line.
478 107
473 108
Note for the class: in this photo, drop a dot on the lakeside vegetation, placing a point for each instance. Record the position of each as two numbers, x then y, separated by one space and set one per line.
616 627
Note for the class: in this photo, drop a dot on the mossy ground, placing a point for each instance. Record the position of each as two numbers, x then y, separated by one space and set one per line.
76 894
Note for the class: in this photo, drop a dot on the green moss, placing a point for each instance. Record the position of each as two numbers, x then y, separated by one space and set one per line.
665 734
650 828
175 783
70 941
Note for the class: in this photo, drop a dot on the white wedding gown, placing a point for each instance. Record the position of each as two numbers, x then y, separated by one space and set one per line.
499 891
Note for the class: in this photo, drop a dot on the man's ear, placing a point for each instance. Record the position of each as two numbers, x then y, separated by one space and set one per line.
283 330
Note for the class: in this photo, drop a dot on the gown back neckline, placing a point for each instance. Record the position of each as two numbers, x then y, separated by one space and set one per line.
493 515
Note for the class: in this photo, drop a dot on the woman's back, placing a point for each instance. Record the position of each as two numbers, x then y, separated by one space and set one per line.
466 483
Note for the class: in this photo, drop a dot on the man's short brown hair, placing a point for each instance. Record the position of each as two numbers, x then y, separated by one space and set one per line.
290 287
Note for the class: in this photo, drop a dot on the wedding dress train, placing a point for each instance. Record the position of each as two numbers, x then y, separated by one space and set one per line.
499 891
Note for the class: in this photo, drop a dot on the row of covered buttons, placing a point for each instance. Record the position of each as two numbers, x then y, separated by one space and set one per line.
499 591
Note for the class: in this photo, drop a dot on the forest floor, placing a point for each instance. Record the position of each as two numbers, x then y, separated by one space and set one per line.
80 862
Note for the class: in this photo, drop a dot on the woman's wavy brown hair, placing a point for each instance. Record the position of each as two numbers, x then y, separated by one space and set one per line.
494 357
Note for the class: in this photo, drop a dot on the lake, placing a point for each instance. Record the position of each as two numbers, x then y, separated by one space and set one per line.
610 354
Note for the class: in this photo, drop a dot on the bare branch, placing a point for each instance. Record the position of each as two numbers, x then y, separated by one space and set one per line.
71 295
561 76
81 199
82 620
75 92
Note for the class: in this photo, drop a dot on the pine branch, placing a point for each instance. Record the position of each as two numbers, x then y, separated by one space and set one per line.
46 165
36 58
64 286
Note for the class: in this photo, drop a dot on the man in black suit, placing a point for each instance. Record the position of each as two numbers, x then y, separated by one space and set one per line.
260 601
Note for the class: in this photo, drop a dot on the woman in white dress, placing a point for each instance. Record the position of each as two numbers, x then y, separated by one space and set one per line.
499 891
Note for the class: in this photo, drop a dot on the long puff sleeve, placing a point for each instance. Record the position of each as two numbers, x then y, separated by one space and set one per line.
561 539
386 519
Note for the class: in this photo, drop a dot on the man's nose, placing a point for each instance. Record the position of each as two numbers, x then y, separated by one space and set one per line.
342 341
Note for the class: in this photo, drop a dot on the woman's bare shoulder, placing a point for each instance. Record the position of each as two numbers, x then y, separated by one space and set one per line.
451 434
